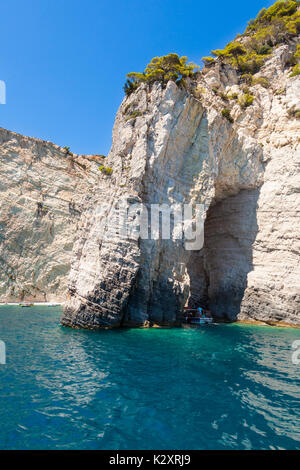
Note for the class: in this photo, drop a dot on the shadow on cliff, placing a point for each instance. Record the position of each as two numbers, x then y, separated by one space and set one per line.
218 273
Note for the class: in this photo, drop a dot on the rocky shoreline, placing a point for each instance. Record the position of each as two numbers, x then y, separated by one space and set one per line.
34 304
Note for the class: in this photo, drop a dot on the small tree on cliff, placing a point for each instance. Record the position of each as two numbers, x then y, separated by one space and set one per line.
161 69
233 49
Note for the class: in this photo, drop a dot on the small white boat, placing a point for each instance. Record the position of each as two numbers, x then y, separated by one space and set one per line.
196 316
200 321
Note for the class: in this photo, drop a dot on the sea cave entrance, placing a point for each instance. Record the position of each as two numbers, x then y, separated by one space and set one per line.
218 272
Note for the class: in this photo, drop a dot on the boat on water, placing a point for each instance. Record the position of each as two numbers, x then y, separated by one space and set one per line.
26 305
196 316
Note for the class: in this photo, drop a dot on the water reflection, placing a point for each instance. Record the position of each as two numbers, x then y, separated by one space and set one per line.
225 386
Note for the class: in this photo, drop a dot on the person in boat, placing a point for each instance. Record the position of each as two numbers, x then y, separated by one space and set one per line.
201 311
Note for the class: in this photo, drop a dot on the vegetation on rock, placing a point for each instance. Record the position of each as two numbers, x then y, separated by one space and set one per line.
273 26
295 71
245 100
162 69
295 61
106 170
208 61
262 81
67 150
134 115
248 52
233 96
248 79
130 112
294 112
226 113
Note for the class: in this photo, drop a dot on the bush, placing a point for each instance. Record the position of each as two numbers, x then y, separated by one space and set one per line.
295 57
272 26
232 52
223 95
247 78
297 53
246 100
226 113
297 113
264 49
233 96
208 61
294 112
295 71
130 86
251 63
246 90
134 115
262 81
279 9
162 69
67 150
280 91
285 10
106 170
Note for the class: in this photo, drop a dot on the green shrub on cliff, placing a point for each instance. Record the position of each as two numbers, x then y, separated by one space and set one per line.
297 53
246 61
130 86
245 100
247 52
247 78
106 170
295 61
226 114
161 69
294 112
297 113
208 61
262 81
67 150
275 25
232 52
233 96
282 17
295 71
134 115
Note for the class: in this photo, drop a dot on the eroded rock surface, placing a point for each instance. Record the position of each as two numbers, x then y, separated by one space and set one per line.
42 190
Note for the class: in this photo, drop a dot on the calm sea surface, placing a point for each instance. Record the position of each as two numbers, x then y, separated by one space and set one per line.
215 387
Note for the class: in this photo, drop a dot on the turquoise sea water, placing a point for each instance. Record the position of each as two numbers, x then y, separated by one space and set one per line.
215 387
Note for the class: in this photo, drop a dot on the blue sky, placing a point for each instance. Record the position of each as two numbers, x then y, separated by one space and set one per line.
64 61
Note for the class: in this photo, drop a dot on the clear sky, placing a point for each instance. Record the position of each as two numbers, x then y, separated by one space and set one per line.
64 61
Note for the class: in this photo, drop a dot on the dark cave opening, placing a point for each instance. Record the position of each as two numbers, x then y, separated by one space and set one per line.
218 272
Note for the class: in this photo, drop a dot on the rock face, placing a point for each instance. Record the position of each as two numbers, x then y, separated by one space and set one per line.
172 146
42 193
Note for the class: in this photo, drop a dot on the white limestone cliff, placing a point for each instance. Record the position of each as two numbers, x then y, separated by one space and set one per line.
174 146
42 189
